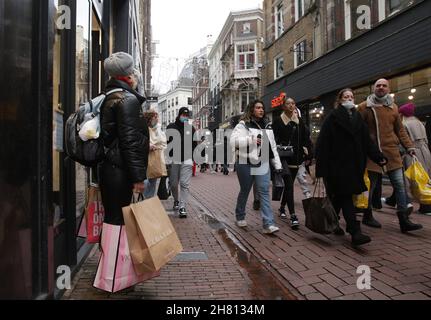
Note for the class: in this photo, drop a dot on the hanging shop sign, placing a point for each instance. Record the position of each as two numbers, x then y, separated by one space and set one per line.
278 101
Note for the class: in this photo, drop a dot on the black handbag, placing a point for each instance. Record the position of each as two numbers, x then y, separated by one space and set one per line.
285 151
320 216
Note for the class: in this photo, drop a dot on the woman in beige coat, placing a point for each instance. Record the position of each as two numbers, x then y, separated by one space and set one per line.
158 144
417 133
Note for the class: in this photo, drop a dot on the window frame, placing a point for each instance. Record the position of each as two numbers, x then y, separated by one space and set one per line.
278 13
246 55
276 59
297 52
297 17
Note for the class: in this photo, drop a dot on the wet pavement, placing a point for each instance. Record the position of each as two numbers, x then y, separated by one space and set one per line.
214 266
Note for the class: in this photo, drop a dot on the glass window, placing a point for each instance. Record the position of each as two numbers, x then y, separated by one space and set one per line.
395 6
246 56
300 53
82 85
279 67
279 23
246 28
299 9
248 94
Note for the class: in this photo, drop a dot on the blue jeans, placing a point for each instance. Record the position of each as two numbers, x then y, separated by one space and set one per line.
150 188
397 180
262 182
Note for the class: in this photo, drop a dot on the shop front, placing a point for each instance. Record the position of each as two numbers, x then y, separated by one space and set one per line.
53 58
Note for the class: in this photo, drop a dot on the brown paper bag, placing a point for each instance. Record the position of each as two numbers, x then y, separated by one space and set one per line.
152 239
156 165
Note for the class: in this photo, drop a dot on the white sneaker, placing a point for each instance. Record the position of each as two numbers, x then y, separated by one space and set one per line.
241 223
271 230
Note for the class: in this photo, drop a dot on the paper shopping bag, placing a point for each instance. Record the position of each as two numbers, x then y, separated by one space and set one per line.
156 165
152 238
115 271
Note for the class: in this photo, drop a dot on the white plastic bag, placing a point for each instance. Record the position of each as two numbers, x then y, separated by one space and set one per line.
90 130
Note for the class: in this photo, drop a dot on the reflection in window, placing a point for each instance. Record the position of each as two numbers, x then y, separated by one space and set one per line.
395 6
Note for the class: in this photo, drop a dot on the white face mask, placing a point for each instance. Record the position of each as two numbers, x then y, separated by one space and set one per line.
348 104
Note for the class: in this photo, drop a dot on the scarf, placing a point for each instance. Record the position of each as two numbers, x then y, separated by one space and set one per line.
286 119
374 101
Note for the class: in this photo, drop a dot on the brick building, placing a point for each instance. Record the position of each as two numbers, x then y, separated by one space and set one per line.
314 48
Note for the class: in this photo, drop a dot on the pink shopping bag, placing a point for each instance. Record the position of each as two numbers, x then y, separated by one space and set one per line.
115 271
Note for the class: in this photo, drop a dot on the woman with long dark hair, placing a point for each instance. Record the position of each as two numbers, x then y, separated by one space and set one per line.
342 149
251 138
291 132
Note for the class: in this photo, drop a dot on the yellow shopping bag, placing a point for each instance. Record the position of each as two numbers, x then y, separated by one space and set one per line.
420 184
361 200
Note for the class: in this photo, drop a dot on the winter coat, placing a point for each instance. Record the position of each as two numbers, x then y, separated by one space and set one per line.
248 152
125 132
417 133
392 134
185 136
296 135
341 152
126 138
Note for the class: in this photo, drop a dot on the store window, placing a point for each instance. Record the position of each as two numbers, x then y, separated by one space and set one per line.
316 113
82 87
246 56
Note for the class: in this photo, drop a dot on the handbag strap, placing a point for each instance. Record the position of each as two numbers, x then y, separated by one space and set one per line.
140 198
320 188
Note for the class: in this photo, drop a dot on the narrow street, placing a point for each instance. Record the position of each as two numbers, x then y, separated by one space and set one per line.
222 261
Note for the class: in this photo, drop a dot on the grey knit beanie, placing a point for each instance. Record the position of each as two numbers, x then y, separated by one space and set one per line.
119 64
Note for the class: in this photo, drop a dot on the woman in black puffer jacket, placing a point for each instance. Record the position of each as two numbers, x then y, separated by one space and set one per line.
126 138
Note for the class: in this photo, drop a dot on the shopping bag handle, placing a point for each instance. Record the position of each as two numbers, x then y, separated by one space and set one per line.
320 188
140 198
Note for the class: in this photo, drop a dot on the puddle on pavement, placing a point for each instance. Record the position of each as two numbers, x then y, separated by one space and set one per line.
263 284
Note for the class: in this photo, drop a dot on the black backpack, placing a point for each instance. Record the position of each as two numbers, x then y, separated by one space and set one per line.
87 153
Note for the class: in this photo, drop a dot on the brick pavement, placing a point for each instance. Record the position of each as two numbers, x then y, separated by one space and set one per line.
229 273
320 267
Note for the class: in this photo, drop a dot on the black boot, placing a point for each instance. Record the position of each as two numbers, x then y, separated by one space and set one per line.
358 238
405 223
369 220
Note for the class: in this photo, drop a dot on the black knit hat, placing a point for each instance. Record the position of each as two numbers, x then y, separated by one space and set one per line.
184 111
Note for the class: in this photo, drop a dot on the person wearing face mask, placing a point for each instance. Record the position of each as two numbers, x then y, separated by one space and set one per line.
158 144
181 170
341 157
126 138
387 131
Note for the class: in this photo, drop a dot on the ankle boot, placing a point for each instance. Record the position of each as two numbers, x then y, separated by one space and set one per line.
405 223
358 238
369 220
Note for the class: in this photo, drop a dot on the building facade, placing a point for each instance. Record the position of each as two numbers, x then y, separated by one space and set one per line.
235 61
203 112
54 58
315 48
171 103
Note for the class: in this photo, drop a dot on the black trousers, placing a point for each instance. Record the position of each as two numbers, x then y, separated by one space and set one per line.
288 192
116 189
345 203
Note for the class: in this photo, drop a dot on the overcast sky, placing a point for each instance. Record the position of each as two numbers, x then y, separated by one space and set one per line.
182 27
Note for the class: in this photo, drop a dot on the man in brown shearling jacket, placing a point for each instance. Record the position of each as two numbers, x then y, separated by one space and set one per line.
386 129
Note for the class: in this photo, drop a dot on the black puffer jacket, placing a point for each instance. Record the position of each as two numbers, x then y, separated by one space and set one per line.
124 131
